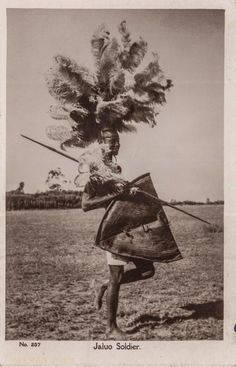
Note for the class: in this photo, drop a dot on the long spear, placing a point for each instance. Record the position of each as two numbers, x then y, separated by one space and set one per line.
171 206
52 149
141 191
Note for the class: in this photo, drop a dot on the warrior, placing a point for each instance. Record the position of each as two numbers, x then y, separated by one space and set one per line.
96 108
144 269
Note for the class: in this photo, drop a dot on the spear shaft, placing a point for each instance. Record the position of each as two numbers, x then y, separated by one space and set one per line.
171 206
141 191
52 149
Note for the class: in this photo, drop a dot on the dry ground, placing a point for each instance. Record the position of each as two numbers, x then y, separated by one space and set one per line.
51 262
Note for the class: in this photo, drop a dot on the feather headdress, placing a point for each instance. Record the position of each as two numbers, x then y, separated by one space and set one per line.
88 103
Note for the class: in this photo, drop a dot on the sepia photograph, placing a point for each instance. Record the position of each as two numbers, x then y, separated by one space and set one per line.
114 175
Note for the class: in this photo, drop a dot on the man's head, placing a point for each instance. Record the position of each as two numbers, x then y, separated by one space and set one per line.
110 138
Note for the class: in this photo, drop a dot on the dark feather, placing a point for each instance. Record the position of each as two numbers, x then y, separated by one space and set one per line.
139 111
111 110
151 71
67 81
73 142
99 42
131 59
110 77
125 39
127 128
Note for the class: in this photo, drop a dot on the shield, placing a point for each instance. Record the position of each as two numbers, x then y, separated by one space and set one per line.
137 226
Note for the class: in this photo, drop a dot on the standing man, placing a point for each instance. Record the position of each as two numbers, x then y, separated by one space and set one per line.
144 269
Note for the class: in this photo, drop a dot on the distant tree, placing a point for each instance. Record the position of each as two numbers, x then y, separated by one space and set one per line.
20 188
44 200
56 180
208 201
219 202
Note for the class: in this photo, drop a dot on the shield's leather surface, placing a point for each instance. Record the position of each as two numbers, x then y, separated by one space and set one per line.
138 227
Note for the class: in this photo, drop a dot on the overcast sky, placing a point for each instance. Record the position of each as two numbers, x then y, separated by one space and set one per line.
184 152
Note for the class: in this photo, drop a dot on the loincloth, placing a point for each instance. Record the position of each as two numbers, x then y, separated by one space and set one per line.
113 259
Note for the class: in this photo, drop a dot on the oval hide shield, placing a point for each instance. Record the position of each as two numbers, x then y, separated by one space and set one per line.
137 226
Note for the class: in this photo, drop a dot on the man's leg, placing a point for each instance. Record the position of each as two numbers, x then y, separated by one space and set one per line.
99 291
113 287
111 260
144 269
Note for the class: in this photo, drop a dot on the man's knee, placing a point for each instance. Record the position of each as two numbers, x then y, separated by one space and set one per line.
147 268
149 271
116 273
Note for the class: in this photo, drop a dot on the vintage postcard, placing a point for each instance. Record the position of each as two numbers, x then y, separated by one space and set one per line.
118 190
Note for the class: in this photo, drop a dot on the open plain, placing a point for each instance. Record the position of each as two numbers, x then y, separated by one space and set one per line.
51 264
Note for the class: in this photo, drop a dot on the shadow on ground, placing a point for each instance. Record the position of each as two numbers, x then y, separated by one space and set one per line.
199 311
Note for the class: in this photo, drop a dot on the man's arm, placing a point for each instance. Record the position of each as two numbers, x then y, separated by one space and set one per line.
89 203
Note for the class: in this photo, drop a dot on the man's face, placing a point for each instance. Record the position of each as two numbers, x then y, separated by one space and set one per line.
112 144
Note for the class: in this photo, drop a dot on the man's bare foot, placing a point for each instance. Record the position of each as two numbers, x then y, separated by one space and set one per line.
99 293
115 334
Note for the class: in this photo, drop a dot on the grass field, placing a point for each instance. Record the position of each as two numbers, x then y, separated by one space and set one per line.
51 262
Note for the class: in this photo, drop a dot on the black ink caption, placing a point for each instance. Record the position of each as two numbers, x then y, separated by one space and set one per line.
31 344
118 346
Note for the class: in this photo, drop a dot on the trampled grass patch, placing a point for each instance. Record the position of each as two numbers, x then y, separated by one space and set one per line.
51 263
